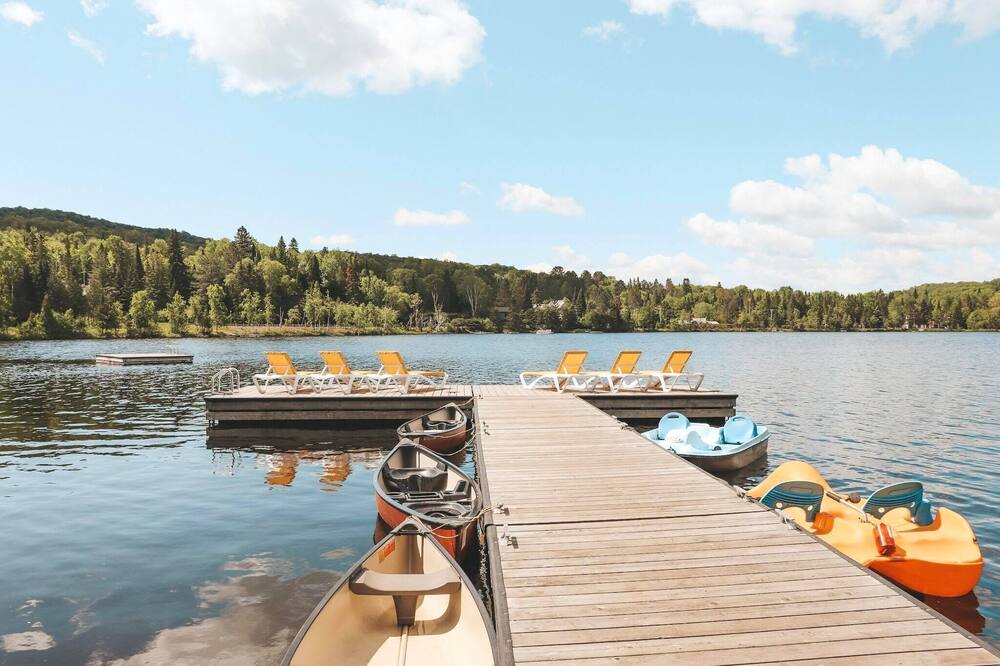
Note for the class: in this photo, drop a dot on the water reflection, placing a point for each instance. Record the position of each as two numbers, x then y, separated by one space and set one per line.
123 516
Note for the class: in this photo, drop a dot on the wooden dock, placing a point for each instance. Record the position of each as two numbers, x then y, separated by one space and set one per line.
248 406
612 550
142 359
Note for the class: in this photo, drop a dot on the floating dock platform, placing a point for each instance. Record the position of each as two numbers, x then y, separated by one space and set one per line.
142 359
610 550
247 405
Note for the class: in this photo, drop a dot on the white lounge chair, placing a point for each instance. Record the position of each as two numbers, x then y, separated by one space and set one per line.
393 372
568 374
621 375
673 371
337 371
280 369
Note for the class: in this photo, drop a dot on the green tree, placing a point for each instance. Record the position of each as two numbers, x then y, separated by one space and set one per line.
141 314
176 314
218 314
180 277
198 313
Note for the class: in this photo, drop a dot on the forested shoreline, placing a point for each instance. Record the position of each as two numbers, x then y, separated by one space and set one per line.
64 275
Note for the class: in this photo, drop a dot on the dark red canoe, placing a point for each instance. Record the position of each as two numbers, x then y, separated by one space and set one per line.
442 431
415 481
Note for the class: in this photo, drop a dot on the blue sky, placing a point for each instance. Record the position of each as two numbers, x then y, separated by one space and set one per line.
762 142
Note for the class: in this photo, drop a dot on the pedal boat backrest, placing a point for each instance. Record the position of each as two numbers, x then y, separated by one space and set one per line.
909 494
806 495
671 421
738 430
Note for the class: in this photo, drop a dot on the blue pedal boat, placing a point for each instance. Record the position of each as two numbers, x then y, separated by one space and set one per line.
733 446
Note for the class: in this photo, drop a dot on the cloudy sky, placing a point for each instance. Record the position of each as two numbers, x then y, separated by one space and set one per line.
817 143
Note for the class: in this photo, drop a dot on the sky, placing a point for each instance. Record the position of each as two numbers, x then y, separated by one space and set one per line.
813 143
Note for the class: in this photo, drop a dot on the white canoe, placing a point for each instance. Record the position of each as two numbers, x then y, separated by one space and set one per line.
405 603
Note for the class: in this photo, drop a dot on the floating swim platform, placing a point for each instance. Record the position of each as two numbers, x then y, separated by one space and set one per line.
156 358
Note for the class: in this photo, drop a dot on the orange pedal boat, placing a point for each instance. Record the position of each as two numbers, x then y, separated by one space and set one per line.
894 531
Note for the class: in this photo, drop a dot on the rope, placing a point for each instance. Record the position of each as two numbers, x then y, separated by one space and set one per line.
472 519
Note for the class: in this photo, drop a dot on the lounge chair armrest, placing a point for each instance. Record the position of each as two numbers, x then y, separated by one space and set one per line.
368 582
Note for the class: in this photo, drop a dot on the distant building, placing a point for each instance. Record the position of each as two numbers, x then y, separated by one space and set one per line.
703 321
561 303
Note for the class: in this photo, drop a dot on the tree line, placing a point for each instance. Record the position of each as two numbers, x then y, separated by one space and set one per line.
73 282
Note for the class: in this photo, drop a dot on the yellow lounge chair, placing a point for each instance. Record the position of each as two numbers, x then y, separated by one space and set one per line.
567 372
673 371
622 370
336 370
281 369
394 371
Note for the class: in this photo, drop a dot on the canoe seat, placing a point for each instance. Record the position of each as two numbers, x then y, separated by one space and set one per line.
405 588
738 430
421 479
806 495
909 494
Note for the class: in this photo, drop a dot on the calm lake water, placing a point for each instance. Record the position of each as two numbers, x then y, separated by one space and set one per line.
132 535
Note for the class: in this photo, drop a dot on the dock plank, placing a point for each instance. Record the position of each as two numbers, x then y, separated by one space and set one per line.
645 559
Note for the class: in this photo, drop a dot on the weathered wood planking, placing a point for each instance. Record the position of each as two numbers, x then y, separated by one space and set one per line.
611 551
142 359
276 405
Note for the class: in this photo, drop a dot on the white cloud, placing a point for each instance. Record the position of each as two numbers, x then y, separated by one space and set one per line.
896 23
465 187
94 7
522 198
873 220
652 267
571 259
333 240
328 46
448 256
878 195
86 45
603 31
660 267
404 217
19 12
750 237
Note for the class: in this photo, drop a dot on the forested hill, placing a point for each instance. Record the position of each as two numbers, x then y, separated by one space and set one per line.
64 275
51 221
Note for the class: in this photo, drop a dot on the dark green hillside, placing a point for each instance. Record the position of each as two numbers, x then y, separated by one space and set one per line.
52 221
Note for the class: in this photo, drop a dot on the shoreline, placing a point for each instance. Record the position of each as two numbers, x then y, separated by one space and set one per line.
306 332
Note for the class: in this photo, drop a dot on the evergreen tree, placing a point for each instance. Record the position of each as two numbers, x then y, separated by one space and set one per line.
180 277
244 245
137 278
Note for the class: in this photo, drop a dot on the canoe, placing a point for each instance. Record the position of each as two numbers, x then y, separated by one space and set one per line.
894 531
414 481
405 602
442 431
729 448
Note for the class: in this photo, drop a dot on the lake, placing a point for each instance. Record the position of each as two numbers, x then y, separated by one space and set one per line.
132 535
